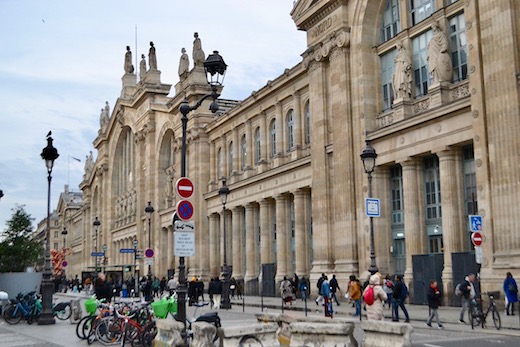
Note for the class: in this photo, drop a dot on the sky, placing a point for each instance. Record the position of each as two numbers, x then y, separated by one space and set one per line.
60 60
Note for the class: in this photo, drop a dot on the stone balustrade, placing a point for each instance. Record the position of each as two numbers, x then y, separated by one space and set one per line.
250 335
386 334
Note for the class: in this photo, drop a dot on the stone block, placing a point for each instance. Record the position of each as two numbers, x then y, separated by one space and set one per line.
313 334
203 334
256 334
382 334
168 333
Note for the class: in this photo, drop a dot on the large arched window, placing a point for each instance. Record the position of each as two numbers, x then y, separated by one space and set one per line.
272 137
258 148
243 152
230 159
390 24
290 129
307 123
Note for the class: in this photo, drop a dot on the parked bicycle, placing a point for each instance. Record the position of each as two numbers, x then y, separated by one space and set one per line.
26 305
477 316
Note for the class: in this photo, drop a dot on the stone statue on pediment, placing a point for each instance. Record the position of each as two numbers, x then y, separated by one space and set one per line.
142 67
104 117
402 79
439 60
184 64
198 53
152 58
129 67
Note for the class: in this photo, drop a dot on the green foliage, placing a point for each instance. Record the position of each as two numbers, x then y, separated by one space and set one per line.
17 250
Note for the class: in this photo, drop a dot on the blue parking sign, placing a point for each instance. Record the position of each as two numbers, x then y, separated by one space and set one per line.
475 223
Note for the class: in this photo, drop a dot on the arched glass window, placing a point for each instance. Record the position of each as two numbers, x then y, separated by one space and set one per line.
230 159
390 24
243 152
258 148
219 163
290 130
272 136
307 125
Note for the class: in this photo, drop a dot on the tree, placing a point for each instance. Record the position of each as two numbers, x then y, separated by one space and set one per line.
17 249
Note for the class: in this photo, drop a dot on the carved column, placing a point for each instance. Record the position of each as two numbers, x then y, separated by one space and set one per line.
412 218
264 134
282 237
266 235
212 164
237 242
214 237
251 278
236 153
250 152
299 232
298 135
279 129
450 213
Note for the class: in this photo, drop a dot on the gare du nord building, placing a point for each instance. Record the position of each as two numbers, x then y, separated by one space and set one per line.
433 85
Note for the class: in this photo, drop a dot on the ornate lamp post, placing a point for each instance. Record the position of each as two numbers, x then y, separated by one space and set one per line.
216 68
149 211
49 154
226 303
96 225
368 156
136 280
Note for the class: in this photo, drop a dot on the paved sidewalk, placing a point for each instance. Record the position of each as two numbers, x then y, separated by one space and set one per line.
418 314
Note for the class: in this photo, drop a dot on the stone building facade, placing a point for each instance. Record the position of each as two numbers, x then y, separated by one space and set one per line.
432 84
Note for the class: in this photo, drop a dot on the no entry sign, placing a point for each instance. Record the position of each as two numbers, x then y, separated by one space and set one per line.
184 210
184 187
476 238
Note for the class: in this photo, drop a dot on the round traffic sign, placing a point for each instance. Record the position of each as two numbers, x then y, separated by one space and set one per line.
184 187
64 264
184 210
476 238
149 253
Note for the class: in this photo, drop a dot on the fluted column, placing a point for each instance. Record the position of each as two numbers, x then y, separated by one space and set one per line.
236 153
264 133
212 163
214 237
250 151
224 151
237 243
450 213
282 237
279 129
412 219
251 277
266 235
299 233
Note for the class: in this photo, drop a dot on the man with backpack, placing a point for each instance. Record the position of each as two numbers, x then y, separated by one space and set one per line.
319 299
399 295
467 292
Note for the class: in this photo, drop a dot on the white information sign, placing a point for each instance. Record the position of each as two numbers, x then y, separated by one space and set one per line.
478 255
372 207
148 261
184 243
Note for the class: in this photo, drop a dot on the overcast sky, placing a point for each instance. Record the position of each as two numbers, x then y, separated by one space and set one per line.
60 60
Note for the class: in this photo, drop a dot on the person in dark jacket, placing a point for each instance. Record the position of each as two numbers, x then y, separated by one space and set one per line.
468 294
215 291
511 291
101 288
399 296
434 300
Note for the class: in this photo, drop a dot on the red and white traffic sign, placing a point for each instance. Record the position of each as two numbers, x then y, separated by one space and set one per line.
149 253
184 187
476 238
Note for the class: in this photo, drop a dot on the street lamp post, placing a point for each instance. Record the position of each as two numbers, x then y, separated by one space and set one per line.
215 67
64 233
96 225
135 266
226 303
49 154
368 156
149 211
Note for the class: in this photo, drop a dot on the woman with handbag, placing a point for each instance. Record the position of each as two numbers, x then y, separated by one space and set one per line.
511 290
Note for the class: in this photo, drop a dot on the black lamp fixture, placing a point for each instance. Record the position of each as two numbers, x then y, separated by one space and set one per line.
64 233
96 225
215 68
368 156
149 211
49 154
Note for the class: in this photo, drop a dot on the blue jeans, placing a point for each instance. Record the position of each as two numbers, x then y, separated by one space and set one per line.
358 307
399 303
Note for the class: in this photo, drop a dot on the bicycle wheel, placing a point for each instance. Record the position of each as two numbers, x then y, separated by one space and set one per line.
496 318
12 315
147 336
83 327
64 313
109 331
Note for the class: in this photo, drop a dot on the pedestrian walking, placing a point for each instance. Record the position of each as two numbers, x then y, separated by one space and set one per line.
354 292
334 287
215 289
303 288
374 295
511 291
388 287
467 291
434 301
172 285
326 292
286 292
162 286
319 299
399 295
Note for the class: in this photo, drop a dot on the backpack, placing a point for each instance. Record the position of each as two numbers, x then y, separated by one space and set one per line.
404 292
368 295
458 292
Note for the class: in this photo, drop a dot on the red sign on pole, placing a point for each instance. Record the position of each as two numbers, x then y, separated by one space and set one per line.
476 238
185 210
184 187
